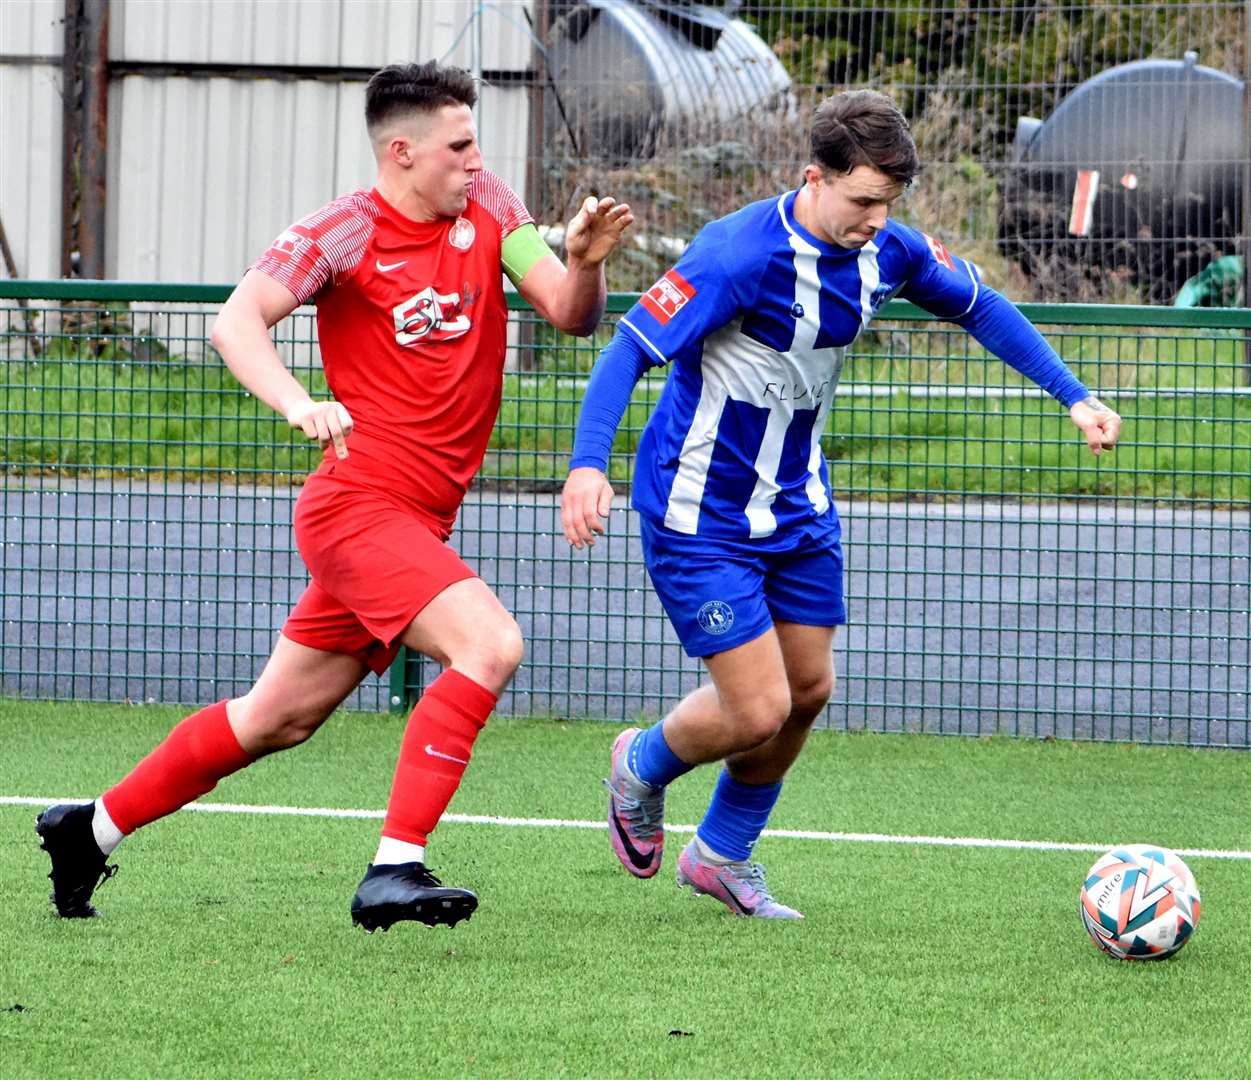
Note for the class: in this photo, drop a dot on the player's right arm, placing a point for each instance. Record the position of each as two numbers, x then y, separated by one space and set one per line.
952 289
694 299
241 335
587 495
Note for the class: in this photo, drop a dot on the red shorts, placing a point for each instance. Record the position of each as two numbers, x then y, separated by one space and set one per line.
375 564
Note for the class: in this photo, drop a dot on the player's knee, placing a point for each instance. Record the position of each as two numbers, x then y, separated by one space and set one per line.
291 733
762 718
495 656
267 727
810 696
506 648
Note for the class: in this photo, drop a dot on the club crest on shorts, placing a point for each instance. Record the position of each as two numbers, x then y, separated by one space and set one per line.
715 617
461 234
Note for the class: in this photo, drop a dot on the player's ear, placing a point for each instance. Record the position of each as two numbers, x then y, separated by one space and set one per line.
813 175
400 150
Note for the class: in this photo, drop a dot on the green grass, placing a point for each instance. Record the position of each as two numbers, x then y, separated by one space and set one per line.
226 949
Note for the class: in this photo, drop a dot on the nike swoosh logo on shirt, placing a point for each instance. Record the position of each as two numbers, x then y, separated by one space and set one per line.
385 268
446 757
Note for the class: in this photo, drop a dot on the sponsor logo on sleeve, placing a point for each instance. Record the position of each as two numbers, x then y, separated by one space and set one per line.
291 243
667 297
940 253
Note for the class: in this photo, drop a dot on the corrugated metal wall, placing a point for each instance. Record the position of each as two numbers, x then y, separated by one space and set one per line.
205 171
30 133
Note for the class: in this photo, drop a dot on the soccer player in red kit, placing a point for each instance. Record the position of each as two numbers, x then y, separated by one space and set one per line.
411 320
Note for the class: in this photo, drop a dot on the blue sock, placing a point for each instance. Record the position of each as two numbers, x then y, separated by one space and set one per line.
736 816
651 760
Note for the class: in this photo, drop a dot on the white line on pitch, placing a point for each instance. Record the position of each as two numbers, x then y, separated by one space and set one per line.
560 823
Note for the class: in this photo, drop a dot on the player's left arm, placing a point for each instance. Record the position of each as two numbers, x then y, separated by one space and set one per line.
569 296
952 289
999 326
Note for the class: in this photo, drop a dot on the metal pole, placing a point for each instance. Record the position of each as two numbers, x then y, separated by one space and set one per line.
537 95
93 163
1246 181
538 18
71 122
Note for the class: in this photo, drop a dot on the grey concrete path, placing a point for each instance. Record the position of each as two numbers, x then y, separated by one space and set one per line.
1040 620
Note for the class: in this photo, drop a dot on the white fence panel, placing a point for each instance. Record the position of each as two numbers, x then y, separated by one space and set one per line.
31 33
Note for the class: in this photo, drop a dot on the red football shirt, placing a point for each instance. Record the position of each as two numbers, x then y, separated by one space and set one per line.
411 320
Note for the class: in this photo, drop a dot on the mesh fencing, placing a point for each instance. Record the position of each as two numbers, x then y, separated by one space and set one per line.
999 578
1076 151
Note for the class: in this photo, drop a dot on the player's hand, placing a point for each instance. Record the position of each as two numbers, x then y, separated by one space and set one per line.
596 228
584 504
1100 425
326 421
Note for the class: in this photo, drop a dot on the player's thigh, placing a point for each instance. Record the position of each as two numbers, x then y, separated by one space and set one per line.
712 591
376 559
751 681
467 627
808 654
295 693
804 585
804 593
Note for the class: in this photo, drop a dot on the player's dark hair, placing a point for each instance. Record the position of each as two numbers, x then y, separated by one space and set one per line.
403 88
863 127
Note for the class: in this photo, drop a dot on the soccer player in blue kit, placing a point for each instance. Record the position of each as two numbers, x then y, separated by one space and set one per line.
740 534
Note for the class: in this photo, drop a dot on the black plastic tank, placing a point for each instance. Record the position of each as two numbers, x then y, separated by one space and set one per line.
1137 174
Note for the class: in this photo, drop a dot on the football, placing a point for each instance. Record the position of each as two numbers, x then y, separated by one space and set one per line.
1140 902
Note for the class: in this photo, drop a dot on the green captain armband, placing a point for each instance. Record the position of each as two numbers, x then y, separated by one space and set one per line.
522 248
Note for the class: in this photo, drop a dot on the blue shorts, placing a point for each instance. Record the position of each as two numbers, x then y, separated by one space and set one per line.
720 594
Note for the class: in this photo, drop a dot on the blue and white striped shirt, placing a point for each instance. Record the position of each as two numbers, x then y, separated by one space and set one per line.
755 320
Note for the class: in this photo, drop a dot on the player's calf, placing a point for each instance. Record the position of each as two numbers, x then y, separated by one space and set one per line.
78 864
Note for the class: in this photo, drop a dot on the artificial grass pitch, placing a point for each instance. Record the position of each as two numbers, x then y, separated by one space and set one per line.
226 949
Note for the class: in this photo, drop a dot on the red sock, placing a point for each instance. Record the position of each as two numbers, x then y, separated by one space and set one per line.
436 748
201 750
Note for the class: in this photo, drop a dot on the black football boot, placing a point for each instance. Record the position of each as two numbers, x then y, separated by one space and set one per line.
390 894
78 864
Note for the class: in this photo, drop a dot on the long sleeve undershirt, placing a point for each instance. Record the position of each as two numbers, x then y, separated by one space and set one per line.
619 368
1001 329
993 321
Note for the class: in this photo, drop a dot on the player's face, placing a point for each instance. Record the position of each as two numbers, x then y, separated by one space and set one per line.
445 159
849 209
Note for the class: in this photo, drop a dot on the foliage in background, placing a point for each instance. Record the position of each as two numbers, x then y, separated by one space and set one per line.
964 71
1000 61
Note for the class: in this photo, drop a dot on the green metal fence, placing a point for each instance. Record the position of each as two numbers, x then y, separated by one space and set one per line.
999 578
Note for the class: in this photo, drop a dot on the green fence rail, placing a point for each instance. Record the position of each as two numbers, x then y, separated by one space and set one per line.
999 578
